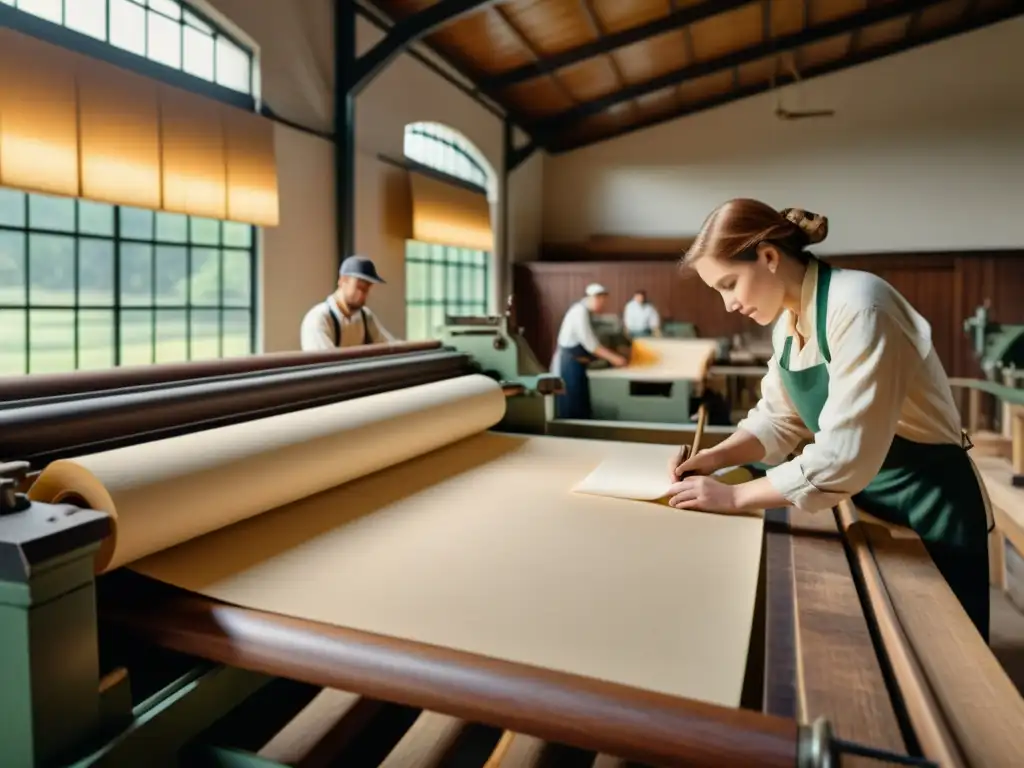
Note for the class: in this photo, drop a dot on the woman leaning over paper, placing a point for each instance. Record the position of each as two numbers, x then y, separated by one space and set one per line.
855 373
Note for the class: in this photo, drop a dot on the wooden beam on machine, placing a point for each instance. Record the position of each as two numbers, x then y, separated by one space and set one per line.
839 676
963 705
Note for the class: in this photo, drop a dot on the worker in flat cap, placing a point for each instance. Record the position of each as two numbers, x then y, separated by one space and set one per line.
577 347
343 319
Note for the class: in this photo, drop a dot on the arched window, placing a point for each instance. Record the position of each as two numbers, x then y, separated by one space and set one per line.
92 285
444 280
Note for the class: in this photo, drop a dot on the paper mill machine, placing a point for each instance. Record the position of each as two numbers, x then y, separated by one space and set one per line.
115 670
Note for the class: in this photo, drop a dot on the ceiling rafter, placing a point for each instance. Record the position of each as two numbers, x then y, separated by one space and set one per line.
815 33
564 120
407 31
599 32
608 43
530 48
977 21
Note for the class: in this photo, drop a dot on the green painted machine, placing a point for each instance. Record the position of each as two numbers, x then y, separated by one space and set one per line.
998 346
617 399
497 346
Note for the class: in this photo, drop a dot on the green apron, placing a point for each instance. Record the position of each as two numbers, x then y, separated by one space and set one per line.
932 489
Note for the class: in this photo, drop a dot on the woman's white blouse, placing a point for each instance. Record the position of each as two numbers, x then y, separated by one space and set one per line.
884 379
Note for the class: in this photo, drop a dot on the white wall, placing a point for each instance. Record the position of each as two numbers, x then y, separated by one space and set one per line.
300 256
926 151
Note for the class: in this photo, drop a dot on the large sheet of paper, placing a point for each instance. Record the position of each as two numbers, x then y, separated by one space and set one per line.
641 473
468 539
661 359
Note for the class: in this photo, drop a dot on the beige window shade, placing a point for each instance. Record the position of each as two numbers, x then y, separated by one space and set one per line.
38 116
448 214
73 125
119 126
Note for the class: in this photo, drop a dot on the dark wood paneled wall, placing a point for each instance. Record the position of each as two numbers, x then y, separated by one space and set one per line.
944 287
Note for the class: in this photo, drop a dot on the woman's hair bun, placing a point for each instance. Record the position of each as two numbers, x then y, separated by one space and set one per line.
813 226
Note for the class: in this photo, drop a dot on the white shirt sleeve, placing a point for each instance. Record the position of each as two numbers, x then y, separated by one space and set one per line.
313 334
378 333
585 329
655 317
873 363
774 421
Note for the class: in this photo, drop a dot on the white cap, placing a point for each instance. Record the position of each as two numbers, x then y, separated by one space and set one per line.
596 289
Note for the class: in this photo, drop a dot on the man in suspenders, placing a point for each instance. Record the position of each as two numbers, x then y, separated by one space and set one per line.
343 319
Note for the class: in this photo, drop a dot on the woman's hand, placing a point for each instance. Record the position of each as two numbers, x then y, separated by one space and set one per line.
701 463
702 493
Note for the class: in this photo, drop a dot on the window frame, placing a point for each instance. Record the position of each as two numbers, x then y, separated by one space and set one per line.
49 31
449 256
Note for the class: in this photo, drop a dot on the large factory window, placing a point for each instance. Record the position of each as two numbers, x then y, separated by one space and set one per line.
92 285
443 279
165 31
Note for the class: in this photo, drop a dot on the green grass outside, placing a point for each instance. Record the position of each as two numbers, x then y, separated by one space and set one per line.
51 343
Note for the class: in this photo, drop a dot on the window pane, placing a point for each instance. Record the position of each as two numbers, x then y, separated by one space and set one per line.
237 279
416 281
237 235
171 275
467 288
96 272
50 10
437 281
95 218
12 341
172 227
163 40
136 274
205 231
166 7
205 281
136 337
205 342
436 320
136 224
232 65
171 336
128 26
96 338
87 16
51 270
12 268
451 288
416 322
52 340
56 213
12 208
195 21
236 332
198 53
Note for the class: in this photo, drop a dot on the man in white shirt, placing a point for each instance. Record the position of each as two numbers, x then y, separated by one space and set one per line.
640 318
577 347
343 319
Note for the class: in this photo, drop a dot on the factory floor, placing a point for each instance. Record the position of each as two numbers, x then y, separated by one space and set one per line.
1006 637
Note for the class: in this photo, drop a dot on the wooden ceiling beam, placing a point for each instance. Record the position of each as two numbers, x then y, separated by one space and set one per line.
599 31
975 21
406 32
547 128
531 49
681 18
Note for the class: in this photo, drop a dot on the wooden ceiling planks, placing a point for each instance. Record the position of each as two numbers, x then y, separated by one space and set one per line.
573 72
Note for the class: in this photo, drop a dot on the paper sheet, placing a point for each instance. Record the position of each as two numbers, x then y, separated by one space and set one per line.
478 545
641 473
659 359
